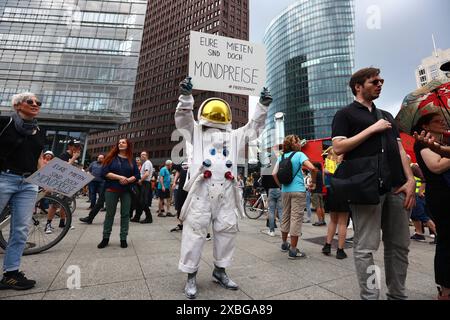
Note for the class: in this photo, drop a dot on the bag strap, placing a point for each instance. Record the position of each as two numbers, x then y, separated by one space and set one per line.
383 148
6 127
17 143
290 158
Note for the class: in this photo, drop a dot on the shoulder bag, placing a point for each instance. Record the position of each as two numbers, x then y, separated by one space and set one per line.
362 180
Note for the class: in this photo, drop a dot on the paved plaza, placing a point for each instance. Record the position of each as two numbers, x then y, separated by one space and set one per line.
147 269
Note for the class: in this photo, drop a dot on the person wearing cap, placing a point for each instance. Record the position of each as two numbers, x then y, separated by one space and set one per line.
70 155
48 156
20 156
163 189
213 148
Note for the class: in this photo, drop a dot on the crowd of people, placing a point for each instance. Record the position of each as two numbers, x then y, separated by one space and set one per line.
410 192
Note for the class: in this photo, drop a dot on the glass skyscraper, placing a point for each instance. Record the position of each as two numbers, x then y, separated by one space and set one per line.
310 57
79 56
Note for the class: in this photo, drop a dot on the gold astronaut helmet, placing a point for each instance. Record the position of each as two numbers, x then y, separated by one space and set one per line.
216 111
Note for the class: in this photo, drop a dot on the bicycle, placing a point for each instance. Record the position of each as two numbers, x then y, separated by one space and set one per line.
256 205
70 201
38 240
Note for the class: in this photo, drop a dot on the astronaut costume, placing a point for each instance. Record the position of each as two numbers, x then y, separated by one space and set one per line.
214 197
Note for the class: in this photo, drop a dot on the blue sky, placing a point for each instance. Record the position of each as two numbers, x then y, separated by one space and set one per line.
397 47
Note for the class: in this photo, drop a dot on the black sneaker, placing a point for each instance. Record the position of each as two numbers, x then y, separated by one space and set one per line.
285 247
179 227
147 220
296 254
326 250
135 219
86 220
349 240
340 254
418 237
16 281
62 223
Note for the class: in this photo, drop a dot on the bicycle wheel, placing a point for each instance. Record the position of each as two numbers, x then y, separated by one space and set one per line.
38 240
250 211
72 203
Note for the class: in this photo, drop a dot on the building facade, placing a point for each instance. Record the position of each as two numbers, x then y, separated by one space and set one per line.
310 57
430 67
163 64
79 56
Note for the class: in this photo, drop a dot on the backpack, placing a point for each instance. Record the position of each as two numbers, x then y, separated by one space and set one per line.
285 170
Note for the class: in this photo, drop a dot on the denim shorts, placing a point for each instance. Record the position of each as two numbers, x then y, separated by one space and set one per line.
419 213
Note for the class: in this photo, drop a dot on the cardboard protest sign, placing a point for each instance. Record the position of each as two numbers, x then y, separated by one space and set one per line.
61 177
226 65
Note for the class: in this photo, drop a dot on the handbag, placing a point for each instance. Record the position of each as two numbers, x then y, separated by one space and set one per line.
363 180
133 188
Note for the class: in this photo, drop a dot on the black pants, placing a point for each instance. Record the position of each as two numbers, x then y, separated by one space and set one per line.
145 200
442 257
98 204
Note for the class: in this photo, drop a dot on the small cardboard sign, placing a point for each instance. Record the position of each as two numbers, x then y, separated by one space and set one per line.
226 65
61 177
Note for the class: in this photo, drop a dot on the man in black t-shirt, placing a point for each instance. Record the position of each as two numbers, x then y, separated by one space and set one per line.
357 133
72 153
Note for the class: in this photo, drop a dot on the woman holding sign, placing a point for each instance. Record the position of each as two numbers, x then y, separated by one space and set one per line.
19 160
120 172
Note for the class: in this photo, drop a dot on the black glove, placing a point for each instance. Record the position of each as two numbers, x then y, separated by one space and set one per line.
265 97
186 86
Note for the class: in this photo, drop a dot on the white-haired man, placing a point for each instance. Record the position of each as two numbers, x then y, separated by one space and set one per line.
23 157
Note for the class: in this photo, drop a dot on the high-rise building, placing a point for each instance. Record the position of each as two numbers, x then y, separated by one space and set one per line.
79 57
430 67
310 57
163 64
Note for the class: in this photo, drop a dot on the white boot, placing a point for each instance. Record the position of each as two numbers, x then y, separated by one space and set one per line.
190 290
222 278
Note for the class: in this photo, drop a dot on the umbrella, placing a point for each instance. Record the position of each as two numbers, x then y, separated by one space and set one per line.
433 97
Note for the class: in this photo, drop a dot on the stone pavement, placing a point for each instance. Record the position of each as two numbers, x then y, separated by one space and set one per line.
147 269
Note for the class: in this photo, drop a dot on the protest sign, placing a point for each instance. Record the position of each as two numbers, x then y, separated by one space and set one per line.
61 177
226 65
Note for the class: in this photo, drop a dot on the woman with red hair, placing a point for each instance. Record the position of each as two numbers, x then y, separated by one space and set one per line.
120 171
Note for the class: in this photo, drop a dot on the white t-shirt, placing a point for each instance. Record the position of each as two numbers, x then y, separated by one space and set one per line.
147 166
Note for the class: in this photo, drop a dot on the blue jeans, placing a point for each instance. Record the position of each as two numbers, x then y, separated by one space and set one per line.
94 188
308 205
22 197
274 203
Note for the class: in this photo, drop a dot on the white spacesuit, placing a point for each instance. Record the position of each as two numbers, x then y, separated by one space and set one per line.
214 196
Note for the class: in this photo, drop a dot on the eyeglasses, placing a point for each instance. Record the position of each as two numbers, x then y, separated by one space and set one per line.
31 102
377 82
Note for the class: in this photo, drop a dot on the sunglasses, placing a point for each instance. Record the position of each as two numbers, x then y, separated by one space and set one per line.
31 102
377 82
